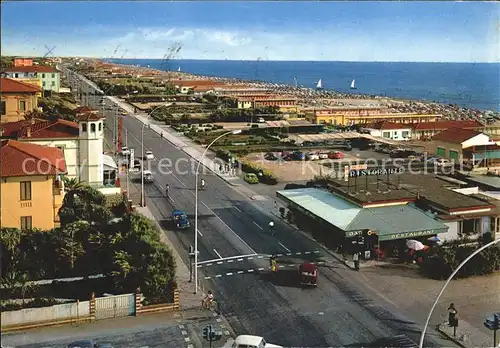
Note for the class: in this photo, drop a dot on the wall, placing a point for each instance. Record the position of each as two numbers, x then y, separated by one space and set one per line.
40 207
51 81
12 111
70 153
57 312
452 232
481 139
395 134
91 150
434 144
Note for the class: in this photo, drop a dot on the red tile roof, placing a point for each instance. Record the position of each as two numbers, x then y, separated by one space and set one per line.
82 109
33 68
385 125
25 159
40 129
442 125
455 135
14 86
89 116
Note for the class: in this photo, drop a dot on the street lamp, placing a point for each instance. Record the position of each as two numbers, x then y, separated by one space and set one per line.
421 344
143 199
238 131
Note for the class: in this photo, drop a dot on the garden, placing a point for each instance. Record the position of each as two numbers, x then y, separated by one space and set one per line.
115 251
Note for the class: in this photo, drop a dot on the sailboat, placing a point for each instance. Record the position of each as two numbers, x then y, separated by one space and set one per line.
319 85
179 69
352 84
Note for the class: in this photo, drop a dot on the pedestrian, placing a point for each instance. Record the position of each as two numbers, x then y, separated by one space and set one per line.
452 315
355 259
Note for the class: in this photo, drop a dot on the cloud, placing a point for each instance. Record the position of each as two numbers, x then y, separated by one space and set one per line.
219 43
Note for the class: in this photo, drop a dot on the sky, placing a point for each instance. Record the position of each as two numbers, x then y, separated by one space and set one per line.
280 30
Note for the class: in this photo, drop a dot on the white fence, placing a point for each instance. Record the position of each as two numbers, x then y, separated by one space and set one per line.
114 306
46 314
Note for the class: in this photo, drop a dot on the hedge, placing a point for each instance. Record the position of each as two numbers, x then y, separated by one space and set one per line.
267 177
451 254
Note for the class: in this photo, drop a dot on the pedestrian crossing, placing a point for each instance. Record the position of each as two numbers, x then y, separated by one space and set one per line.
255 257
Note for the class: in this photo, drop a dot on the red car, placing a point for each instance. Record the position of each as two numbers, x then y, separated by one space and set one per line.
335 155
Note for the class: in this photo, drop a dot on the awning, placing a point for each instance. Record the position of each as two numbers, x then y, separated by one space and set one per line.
108 162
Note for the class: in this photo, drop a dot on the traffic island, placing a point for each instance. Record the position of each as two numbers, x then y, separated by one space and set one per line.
465 335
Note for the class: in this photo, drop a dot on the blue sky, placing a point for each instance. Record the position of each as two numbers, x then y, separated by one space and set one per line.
281 30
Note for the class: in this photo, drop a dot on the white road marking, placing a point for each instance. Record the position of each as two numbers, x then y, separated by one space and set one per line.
239 257
198 231
220 263
260 269
181 326
289 254
307 253
284 247
256 224
229 273
251 270
229 261
279 255
205 205
249 258
218 275
260 257
239 260
215 251
299 253
238 209
208 277
241 272
184 333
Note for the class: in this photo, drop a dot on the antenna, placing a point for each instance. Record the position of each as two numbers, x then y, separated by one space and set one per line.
49 51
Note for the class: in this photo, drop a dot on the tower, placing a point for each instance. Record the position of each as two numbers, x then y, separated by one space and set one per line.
90 149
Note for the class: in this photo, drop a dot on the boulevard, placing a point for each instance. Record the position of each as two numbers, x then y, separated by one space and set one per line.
341 311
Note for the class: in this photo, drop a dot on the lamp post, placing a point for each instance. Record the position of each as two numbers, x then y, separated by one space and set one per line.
196 206
143 199
421 344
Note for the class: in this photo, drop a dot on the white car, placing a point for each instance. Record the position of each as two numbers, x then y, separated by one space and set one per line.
125 151
440 162
250 341
312 156
149 155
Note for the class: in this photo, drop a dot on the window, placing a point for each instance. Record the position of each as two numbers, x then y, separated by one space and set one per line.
471 226
386 134
53 76
2 108
25 190
53 83
405 134
92 127
100 126
22 105
43 76
84 127
441 151
61 148
16 75
43 83
26 223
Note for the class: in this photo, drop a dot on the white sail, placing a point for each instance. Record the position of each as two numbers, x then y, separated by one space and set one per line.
179 69
319 85
352 84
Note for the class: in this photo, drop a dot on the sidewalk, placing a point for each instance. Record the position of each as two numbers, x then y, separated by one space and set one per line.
467 336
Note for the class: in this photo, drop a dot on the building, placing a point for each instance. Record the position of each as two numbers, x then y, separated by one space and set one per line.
389 130
81 143
17 99
49 76
426 130
451 143
493 130
23 62
351 115
31 189
285 104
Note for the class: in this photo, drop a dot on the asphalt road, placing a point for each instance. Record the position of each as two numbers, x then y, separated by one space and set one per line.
341 311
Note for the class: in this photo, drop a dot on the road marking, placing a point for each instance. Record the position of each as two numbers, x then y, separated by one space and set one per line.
229 273
229 261
208 264
239 260
251 270
288 254
284 247
260 269
260 257
220 263
205 204
184 332
227 258
240 272
299 253
238 209
256 224
215 251
218 275
198 231
181 326
187 339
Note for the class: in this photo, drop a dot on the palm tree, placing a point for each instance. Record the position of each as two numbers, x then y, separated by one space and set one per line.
71 184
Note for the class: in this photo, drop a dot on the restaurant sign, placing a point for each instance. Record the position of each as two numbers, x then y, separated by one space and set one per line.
376 171
413 234
350 234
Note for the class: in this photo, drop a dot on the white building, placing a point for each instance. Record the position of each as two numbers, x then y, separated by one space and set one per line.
389 130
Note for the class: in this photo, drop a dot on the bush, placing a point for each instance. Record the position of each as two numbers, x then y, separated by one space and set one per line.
265 177
251 178
451 254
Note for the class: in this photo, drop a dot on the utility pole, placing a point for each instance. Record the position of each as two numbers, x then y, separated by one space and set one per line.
128 167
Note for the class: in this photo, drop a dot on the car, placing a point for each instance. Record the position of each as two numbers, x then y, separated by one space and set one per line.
251 178
323 155
149 155
124 113
148 176
250 341
125 151
180 219
270 156
311 156
336 155
441 162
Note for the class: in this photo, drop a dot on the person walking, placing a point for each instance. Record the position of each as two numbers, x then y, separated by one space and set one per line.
355 259
452 314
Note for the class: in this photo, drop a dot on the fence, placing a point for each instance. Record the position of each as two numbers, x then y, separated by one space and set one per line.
83 311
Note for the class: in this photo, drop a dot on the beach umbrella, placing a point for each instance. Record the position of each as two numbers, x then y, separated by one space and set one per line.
414 245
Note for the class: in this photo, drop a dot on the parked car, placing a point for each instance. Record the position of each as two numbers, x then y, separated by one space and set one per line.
441 162
251 178
124 113
270 156
335 155
247 341
312 156
180 219
149 155
298 155
323 155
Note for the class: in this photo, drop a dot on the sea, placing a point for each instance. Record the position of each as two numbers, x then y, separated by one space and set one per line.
472 85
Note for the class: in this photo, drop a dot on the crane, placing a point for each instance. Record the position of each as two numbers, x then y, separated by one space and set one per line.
49 51
171 53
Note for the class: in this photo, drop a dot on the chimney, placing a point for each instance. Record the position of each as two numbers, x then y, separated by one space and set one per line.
28 132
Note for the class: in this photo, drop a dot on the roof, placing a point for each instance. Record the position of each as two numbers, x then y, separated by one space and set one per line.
384 125
89 116
249 340
109 162
456 135
40 129
442 125
33 68
14 86
389 221
25 159
82 109
483 148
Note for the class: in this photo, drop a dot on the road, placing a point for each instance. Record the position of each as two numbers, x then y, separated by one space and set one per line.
341 311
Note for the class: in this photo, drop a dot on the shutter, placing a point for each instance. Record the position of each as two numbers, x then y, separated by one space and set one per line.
453 155
441 152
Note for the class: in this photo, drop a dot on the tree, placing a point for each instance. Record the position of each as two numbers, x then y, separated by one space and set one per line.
71 184
69 243
85 203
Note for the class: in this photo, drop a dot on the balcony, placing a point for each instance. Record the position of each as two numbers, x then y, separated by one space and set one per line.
26 204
